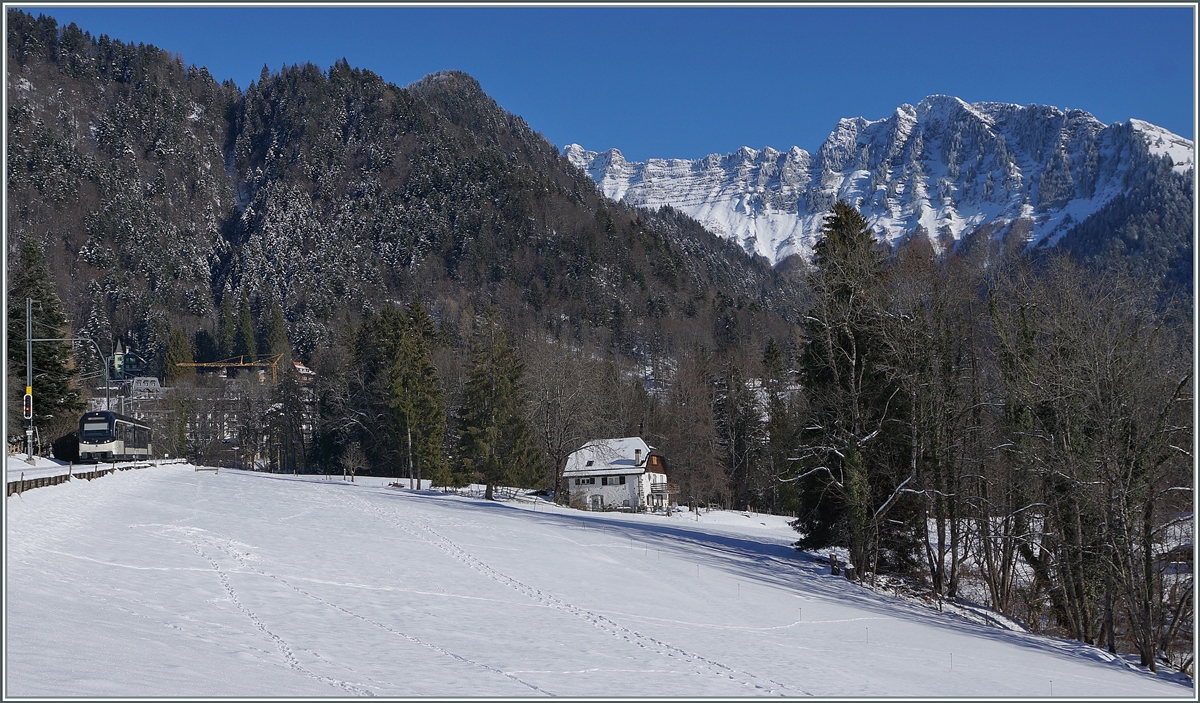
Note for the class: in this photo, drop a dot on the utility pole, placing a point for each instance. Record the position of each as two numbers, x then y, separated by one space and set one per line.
28 404
29 340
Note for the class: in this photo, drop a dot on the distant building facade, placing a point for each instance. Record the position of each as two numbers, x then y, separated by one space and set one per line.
617 474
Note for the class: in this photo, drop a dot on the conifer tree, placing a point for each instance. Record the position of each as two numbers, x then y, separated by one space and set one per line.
205 346
845 256
495 442
740 437
366 412
773 364
286 420
421 323
848 399
55 389
417 403
226 326
178 351
276 338
243 338
97 328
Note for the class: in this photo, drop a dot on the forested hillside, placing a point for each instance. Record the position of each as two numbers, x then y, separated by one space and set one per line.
1007 426
1149 228
166 203
330 191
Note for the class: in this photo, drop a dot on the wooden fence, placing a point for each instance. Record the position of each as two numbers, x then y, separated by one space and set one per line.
26 484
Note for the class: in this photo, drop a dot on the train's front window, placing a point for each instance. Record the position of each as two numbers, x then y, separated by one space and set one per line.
95 429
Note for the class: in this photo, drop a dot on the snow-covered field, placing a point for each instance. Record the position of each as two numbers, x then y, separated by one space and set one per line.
173 582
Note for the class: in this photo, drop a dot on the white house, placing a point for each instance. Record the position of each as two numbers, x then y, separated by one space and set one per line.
617 473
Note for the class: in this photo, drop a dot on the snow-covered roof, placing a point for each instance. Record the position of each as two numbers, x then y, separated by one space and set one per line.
626 455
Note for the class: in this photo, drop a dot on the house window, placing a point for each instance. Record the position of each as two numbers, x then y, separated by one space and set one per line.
654 461
590 462
603 480
621 480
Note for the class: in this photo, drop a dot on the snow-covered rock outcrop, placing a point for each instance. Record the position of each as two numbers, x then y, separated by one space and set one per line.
944 167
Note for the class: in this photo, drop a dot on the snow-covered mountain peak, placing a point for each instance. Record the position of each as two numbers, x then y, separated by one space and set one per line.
577 155
613 157
943 169
745 154
1160 142
940 104
948 107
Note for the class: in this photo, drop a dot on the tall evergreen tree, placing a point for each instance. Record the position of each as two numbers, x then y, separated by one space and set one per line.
843 473
55 378
243 338
773 366
205 346
739 423
275 339
418 405
97 328
495 442
178 351
286 419
226 327
362 407
421 323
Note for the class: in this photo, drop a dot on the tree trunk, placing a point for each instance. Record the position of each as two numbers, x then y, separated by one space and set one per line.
1148 653
1177 619
1108 612
955 529
1108 579
408 432
1041 574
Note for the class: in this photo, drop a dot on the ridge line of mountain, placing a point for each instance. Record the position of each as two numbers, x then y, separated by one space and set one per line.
945 169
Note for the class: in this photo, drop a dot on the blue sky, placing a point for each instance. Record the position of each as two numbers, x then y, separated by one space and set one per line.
686 82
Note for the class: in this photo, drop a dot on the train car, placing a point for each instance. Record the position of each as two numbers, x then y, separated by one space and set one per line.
107 436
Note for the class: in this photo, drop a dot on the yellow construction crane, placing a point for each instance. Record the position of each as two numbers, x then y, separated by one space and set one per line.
271 362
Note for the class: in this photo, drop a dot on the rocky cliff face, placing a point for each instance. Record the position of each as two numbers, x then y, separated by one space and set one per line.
944 169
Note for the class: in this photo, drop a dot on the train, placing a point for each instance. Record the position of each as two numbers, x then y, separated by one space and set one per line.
108 436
